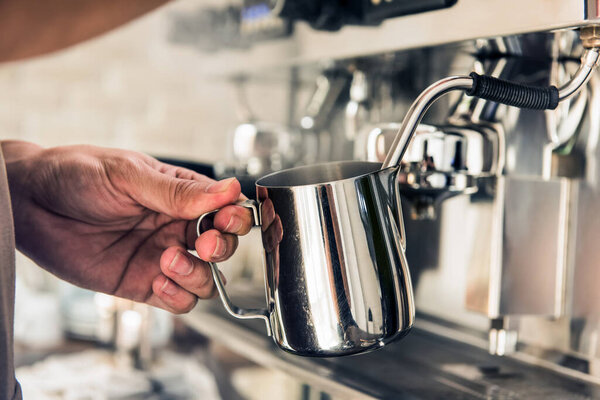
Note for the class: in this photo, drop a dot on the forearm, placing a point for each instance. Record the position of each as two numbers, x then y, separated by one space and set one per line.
31 27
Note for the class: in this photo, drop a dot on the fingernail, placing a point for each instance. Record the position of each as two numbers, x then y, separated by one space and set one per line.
234 224
220 248
181 265
169 288
220 186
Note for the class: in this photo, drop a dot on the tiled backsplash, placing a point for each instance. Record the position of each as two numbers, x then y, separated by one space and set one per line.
130 88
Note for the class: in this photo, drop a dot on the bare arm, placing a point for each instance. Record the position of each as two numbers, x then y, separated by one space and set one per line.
32 27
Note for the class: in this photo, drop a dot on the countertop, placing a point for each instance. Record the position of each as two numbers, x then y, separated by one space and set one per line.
423 365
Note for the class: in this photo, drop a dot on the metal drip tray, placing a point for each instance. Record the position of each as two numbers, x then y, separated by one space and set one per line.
421 366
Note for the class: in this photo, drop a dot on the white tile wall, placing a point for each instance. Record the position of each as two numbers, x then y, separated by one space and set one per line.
130 88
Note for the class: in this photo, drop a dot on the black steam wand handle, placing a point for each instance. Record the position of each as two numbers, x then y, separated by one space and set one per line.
513 94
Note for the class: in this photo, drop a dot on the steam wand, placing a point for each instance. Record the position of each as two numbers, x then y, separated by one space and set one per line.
498 90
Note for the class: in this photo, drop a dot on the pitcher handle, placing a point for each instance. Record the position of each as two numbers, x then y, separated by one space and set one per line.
401 223
396 204
232 309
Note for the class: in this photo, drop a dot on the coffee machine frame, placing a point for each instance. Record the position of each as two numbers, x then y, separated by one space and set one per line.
515 260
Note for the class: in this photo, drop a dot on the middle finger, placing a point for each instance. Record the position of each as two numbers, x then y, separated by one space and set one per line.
187 271
215 246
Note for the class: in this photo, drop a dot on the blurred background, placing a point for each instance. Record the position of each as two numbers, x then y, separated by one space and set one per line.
500 204
132 88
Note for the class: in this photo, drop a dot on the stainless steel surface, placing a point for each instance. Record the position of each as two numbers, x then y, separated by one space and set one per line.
357 110
590 36
328 88
525 267
589 61
424 366
523 247
539 239
526 272
585 302
466 20
374 142
449 158
416 112
435 91
592 9
232 309
259 147
337 280
502 336
532 277
316 121
440 162
452 149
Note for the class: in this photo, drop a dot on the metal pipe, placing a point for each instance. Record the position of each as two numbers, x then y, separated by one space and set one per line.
417 111
589 61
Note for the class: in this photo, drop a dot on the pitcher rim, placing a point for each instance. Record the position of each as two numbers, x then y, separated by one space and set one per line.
323 183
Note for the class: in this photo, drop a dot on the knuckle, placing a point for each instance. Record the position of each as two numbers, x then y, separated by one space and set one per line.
121 163
209 293
178 193
245 229
178 311
205 245
121 168
189 306
213 293
184 196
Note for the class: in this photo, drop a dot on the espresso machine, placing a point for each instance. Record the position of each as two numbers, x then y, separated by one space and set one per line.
499 203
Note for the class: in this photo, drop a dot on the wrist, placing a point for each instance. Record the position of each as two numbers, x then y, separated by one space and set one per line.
15 150
19 157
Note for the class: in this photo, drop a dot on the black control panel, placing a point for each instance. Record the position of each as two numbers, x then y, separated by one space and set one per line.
333 14
377 10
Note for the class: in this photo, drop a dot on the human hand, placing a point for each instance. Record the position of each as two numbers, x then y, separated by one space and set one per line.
121 222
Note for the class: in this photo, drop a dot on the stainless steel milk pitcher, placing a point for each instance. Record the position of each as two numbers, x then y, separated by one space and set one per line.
337 279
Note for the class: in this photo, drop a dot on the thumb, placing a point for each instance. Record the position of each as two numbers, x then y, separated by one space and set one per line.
185 198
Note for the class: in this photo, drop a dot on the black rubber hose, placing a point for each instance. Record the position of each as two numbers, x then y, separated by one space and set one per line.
513 94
